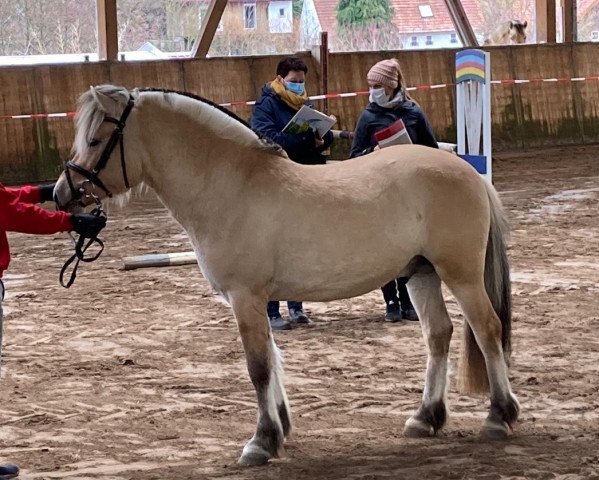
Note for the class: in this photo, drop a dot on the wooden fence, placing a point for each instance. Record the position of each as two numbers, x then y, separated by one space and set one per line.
524 115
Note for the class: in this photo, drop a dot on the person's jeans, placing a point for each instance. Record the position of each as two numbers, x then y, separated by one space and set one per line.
273 307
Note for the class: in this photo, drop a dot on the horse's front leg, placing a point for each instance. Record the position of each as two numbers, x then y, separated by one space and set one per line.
266 372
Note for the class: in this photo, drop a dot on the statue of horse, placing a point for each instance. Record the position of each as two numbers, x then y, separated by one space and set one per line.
508 33
407 210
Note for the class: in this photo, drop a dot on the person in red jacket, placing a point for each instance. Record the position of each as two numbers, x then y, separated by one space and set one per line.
19 214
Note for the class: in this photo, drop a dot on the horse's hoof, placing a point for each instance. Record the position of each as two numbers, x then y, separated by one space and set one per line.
253 456
253 459
494 430
417 429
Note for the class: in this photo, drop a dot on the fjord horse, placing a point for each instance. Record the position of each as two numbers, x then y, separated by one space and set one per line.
404 210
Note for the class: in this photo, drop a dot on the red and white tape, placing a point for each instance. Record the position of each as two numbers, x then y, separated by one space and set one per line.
329 96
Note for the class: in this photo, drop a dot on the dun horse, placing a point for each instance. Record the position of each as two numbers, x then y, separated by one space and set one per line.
405 210
508 33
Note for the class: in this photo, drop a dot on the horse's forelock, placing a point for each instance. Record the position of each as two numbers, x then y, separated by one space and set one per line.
90 113
88 119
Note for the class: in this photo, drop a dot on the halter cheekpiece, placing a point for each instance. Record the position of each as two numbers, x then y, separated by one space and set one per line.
92 175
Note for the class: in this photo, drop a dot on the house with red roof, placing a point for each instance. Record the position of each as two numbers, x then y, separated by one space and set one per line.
247 27
419 23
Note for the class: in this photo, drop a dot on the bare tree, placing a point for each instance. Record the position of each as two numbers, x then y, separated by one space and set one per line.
53 26
367 37
495 12
588 23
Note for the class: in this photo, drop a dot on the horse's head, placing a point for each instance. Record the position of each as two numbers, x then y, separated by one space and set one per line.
99 167
517 31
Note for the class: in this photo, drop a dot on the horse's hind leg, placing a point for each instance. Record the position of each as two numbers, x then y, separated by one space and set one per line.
265 369
487 329
426 295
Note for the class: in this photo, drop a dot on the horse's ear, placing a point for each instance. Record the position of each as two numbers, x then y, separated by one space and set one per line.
511 24
106 103
525 24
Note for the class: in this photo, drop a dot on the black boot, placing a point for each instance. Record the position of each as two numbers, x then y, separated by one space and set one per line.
409 314
8 471
407 309
276 323
297 315
393 313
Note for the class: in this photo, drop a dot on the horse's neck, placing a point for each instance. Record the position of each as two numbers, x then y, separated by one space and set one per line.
195 171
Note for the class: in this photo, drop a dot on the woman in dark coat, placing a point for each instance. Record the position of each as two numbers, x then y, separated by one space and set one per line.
279 101
390 102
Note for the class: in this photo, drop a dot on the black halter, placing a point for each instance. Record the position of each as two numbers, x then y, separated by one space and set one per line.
81 246
92 175
83 243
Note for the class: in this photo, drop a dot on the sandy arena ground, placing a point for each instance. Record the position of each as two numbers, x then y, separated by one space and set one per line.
141 375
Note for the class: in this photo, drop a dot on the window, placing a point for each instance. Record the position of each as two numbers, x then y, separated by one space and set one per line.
454 38
281 12
595 36
414 41
429 39
425 11
249 15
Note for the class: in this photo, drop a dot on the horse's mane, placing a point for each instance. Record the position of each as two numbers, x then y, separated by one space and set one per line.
90 116
266 142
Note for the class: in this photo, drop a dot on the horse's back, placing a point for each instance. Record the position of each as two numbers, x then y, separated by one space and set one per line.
404 166
444 199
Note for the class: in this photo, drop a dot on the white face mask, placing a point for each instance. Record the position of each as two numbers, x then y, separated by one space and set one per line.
378 96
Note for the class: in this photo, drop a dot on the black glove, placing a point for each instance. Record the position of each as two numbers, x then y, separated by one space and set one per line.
87 224
46 192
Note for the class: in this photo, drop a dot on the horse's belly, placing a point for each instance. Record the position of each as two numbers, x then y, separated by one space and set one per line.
331 277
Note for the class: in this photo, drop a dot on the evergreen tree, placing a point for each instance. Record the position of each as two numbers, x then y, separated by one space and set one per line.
297 7
363 12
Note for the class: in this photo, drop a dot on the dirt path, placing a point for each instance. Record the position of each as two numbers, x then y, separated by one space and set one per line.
141 375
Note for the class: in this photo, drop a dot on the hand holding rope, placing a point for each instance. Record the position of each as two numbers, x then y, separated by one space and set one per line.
88 226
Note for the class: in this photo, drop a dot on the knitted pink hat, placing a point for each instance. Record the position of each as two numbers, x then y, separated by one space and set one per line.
385 72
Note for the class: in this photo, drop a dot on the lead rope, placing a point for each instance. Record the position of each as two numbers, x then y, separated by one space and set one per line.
81 245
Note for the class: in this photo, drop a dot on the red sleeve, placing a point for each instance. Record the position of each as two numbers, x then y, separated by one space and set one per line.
27 194
18 216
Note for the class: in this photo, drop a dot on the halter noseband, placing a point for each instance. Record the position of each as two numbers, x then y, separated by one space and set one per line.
92 175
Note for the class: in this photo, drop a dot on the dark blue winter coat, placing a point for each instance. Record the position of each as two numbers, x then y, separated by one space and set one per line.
375 118
271 115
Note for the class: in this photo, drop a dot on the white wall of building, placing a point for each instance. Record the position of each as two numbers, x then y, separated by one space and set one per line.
309 26
280 16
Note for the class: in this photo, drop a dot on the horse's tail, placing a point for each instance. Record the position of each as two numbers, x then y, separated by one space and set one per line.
473 374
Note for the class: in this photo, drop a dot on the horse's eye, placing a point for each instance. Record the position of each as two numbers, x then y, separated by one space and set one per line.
94 142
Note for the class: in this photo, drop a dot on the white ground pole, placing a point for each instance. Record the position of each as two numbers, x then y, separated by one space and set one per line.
473 103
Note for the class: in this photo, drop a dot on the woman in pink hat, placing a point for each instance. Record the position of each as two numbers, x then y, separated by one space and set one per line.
390 102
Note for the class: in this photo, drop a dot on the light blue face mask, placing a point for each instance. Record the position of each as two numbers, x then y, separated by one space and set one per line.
378 96
295 87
